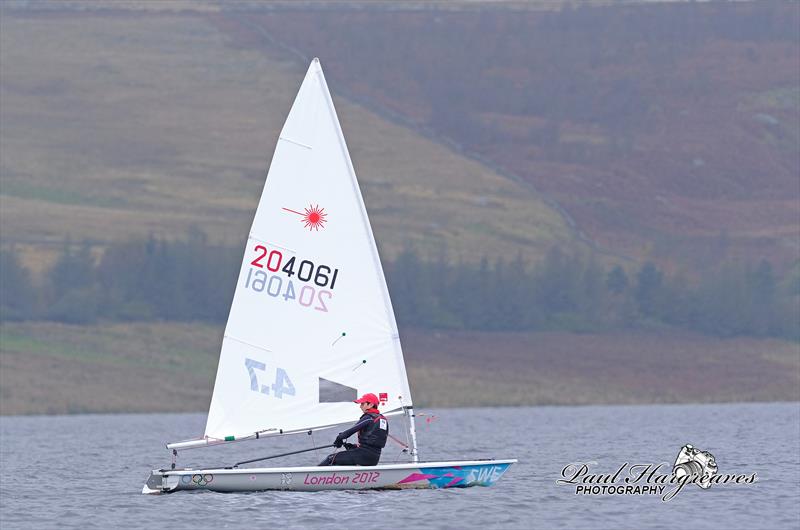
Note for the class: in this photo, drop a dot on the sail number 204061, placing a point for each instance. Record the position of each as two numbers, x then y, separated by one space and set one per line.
274 285
305 270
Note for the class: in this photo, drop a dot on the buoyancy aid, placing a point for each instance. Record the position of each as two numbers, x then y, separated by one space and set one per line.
372 428
374 433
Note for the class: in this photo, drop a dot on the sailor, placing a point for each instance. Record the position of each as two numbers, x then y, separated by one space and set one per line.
372 429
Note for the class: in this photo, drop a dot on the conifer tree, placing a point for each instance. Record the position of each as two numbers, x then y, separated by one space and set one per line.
17 295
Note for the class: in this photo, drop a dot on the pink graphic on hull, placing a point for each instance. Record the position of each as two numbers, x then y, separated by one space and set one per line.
413 477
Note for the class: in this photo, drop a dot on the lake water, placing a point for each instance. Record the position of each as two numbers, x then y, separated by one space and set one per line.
87 471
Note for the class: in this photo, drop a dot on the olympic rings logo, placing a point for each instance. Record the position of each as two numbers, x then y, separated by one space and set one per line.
202 480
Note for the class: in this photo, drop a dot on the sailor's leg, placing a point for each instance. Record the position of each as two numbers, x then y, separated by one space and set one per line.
367 458
328 460
344 458
355 457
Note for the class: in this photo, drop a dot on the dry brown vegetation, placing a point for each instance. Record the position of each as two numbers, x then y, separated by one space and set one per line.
54 369
118 125
667 130
571 369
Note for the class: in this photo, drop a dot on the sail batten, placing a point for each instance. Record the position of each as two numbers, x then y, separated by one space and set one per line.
272 244
248 344
311 323
295 142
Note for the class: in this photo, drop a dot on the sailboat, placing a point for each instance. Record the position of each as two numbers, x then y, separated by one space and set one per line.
311 327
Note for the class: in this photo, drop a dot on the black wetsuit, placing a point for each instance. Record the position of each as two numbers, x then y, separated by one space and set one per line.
372 429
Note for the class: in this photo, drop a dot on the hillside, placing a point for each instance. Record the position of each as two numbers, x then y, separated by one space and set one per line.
661 131
118 123
668 131
665 133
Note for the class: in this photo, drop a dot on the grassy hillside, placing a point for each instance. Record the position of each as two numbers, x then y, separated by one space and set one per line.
119 122
667 130
52 368
122 124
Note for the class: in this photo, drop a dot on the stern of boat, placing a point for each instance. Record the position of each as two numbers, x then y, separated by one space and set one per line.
159 482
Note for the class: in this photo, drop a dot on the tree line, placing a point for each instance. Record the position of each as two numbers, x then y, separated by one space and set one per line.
193 280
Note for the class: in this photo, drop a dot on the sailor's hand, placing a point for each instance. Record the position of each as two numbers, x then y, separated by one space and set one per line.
339 441
348 446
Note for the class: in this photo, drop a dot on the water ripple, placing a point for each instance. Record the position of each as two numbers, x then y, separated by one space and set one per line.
91 474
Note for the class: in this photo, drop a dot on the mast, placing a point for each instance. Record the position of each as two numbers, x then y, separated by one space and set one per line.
412 431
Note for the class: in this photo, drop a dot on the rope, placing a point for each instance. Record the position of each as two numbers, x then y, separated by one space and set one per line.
398 441
405 419
314 443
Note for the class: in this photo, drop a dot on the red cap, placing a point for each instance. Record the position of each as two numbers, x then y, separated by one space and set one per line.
368 398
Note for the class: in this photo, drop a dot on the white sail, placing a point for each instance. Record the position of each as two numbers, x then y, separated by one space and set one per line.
311 325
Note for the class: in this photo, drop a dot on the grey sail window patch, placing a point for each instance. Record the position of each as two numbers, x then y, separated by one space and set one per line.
332 392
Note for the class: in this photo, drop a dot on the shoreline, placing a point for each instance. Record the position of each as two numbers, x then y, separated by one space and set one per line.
588 405
55 369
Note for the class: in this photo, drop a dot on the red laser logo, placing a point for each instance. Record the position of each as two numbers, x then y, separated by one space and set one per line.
313 218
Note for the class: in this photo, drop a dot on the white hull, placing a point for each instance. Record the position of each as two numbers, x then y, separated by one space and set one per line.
390 476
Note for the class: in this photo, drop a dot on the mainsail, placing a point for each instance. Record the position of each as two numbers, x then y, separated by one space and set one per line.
311 324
